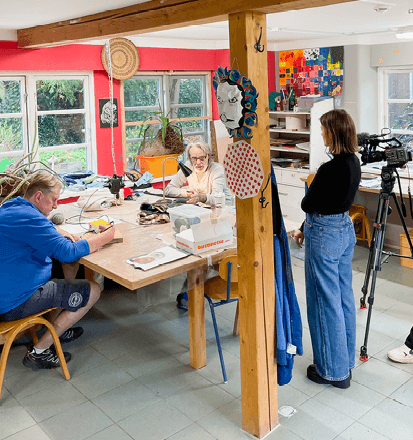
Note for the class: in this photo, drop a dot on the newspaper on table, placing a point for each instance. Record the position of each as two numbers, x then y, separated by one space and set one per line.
162 255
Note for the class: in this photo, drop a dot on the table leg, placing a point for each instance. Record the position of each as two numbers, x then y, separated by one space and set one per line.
196 318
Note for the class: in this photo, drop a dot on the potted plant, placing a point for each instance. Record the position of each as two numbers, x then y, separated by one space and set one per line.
159 143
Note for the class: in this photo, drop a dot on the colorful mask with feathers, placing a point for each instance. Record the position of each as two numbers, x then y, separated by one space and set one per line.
237 102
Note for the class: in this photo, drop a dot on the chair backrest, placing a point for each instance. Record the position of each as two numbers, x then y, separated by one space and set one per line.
223 268
310 179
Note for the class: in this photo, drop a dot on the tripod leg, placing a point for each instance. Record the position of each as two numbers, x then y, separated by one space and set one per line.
375 257
383 206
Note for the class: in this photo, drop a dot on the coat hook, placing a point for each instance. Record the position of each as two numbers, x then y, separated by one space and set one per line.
257 45
262 198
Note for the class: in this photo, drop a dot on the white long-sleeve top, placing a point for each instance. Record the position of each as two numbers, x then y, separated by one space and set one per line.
212 183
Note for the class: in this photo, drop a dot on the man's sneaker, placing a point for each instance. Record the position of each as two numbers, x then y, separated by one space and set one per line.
402 354
46 360
71 334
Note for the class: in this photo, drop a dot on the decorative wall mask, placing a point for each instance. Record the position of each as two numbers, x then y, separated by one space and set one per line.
237 102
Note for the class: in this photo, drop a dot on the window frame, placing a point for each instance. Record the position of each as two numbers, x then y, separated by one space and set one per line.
31 114
384 101
165 87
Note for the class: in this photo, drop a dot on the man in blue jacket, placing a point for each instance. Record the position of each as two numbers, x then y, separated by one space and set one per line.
28 242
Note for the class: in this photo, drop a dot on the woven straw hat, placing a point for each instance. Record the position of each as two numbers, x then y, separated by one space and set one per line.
124 58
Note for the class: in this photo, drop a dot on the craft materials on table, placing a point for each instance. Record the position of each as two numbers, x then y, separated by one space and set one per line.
162 255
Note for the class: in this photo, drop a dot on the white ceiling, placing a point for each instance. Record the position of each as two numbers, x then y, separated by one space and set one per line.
347 23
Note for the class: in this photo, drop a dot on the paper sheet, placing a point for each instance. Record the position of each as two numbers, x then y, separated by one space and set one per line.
162 255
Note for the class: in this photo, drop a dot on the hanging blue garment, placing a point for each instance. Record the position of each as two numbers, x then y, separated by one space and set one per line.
287 312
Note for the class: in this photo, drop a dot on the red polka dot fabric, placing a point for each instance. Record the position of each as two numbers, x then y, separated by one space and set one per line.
243 170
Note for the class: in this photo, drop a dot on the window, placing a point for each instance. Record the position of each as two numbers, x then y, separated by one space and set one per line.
397 106
52 112
184 99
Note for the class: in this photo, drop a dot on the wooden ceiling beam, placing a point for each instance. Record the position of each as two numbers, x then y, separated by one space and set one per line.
154 15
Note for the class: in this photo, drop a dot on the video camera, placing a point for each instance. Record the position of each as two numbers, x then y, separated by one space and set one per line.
394 153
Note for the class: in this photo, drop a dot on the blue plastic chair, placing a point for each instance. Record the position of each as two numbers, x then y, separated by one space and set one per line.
220 290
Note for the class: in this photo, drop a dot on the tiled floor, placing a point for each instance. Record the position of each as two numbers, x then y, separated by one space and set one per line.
131 377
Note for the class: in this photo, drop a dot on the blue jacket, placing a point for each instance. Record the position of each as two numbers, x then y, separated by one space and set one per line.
27 242
287 312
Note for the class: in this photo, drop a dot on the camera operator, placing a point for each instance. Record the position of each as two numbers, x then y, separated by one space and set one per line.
330 241
404 353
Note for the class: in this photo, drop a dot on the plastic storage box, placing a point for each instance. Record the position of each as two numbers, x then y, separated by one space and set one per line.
182 217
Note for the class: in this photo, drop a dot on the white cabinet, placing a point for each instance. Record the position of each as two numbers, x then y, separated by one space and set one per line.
297 149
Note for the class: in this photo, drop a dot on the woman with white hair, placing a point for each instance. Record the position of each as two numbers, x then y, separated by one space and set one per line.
206 181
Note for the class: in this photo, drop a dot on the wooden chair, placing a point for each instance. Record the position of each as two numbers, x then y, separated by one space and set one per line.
361 222
220 290
9 331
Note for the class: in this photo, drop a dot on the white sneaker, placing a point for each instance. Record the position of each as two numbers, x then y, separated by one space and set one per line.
402 354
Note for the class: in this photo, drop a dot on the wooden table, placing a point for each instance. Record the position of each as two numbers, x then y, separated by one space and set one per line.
110 261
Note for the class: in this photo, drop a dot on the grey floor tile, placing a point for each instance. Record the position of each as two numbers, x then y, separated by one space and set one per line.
52 401
404 394
391 419
359 431
157 421
14 361
353 402
376 341
299 379
6 398
397 291
289 396
32 433
14 418
31 382
233 386
119 345
111 433
391 326
380 377
225 423
77 423
84 359
125 400
315 421
199 399
99 380
148 360
168 381
192 432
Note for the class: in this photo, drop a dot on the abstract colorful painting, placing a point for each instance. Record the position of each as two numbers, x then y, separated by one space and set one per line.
317 71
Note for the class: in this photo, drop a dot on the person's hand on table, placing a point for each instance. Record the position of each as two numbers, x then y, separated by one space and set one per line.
299 238
195 197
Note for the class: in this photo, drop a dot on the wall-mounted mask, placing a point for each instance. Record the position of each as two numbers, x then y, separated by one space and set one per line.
237 102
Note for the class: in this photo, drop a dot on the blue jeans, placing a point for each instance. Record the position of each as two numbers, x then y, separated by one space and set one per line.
331 310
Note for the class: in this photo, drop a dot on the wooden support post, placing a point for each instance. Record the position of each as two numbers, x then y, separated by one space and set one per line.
255 244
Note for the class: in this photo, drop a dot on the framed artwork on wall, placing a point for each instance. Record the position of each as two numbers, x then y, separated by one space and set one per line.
105 113
316 71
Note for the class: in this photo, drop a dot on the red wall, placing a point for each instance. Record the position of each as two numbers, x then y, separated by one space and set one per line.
80 57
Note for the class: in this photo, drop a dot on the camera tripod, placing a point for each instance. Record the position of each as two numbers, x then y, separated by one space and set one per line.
376 252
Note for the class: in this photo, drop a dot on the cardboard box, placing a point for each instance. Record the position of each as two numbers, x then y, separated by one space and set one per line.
405 250
205 236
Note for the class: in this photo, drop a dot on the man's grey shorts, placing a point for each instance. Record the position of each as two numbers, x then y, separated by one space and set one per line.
69 295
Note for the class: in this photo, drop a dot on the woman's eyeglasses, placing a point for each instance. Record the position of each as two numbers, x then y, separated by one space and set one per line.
200 158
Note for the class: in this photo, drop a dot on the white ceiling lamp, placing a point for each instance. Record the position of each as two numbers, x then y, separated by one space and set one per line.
405 34
303 31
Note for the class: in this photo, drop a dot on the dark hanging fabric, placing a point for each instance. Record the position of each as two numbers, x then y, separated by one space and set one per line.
289 330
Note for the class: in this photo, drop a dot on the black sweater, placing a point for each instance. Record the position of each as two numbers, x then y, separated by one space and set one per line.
334 186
